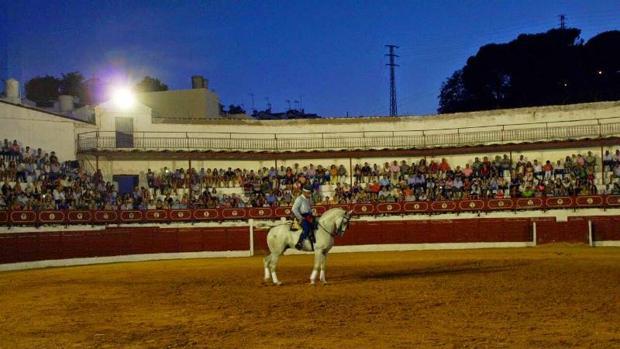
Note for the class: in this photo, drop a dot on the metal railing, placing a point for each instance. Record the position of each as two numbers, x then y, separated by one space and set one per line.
351 140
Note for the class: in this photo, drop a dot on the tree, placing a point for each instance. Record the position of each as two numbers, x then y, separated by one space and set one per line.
43 90
95 91
235 109
453 93
150 84
72 84
602 55
536 69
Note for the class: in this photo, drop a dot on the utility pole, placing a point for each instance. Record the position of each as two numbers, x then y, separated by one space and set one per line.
252 95
393 107
562 21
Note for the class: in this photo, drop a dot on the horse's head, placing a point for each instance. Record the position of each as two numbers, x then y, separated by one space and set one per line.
342 223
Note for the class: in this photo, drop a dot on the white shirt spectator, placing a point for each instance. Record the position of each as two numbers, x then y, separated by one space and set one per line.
458 183
59 195
608 157
538 168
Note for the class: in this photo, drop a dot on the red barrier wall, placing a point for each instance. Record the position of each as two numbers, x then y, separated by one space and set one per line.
575 230
437 231
116 241
605 228
260 239
23 247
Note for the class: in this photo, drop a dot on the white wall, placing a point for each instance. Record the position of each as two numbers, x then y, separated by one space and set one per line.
406 125
107 113
40 130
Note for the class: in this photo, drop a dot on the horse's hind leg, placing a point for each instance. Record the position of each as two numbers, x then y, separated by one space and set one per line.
266 263
273 263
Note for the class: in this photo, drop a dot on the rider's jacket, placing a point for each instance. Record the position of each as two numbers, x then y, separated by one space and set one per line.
302 207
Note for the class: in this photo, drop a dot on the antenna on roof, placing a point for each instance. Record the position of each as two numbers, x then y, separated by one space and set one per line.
392 65
562 21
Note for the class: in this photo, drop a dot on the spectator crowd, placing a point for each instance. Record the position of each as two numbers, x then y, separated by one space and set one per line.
32 179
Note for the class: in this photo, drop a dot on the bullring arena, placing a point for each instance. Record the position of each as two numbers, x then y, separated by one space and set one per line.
462 235
555 296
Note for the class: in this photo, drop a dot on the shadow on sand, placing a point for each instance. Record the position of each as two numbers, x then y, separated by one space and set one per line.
469 268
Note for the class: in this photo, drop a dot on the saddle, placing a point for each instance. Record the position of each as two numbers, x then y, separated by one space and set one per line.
294 225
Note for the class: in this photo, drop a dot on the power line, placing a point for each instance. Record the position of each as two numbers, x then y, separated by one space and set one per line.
392 65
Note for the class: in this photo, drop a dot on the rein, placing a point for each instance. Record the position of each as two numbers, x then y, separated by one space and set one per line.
345 220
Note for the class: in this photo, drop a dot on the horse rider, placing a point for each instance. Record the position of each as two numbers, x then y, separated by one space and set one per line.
302 209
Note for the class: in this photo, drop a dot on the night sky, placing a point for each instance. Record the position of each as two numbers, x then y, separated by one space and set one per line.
331 53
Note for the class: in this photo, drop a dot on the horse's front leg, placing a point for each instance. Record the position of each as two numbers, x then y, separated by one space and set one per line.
323 263
318 258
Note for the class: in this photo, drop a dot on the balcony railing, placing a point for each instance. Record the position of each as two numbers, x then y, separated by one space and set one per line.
350 140
399 208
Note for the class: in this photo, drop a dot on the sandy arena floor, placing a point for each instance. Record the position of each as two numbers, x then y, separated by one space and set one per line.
546 297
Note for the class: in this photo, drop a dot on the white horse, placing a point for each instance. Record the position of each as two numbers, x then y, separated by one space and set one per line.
332 223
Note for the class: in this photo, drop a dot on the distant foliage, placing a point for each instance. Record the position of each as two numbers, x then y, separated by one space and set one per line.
73 84
150 84
549 68
235 109
43 90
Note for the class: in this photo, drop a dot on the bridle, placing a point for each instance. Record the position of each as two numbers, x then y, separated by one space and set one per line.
340 229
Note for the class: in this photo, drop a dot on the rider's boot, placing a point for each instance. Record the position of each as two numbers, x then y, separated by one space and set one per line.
300 244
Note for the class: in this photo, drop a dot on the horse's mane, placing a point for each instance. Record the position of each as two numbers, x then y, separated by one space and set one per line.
330 214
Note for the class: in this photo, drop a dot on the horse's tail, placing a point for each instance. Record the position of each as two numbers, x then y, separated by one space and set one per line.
268 225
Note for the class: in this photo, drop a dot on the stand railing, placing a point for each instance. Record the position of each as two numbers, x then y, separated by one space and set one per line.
106 217
275 142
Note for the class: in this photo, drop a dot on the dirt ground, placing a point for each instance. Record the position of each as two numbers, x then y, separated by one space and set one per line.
545 297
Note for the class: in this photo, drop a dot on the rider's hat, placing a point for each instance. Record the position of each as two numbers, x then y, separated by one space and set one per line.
307 189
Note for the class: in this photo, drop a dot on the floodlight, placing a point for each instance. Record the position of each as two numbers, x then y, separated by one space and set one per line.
123 97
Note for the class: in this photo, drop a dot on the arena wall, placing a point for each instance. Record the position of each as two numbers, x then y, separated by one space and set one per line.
27 247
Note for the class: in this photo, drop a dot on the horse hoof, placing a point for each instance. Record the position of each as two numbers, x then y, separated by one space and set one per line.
279 283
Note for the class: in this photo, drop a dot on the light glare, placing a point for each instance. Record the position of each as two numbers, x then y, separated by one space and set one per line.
123 98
